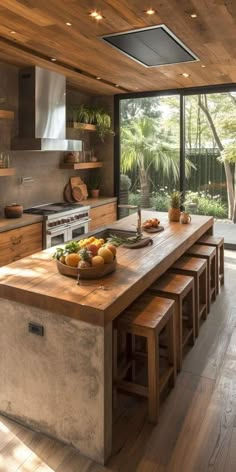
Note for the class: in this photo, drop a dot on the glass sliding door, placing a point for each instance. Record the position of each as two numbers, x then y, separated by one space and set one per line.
149 150
210 150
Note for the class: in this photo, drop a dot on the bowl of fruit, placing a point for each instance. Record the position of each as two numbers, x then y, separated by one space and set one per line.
89 258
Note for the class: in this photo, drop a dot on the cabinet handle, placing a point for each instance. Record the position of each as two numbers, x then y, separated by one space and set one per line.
16 241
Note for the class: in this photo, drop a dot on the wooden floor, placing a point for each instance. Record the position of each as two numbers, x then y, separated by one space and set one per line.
197 427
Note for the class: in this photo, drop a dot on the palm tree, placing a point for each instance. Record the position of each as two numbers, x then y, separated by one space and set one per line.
144 147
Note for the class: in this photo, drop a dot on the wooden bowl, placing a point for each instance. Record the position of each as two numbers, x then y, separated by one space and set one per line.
88 272
13 211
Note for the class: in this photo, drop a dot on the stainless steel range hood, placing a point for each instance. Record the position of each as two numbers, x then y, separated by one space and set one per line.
42 112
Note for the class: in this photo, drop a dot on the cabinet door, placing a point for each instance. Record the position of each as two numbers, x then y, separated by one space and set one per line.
20 242
102 216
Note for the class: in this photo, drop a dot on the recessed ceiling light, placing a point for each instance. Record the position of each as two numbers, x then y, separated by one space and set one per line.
93 13
13 32
68 23
98 78
150 11
53 59
185 74
193 15
203 66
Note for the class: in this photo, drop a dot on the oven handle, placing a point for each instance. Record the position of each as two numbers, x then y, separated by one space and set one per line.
78 223
57 229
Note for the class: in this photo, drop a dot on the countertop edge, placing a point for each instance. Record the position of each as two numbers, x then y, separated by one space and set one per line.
8 224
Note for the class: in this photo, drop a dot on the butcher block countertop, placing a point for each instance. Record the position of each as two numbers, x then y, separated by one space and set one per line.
6 224
35 280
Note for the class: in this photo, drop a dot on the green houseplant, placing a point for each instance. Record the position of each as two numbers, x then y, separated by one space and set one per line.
174 210
94 185
83 114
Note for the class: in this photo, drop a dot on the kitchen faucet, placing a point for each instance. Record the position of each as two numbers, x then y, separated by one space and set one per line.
139 218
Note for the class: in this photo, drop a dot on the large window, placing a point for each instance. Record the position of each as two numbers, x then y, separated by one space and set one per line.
210 146
181 141
150 150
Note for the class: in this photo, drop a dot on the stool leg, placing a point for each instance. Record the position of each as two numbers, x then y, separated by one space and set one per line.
130 350
179 333
192 314
115 367
197 305
153 377
217 270
213 275
222 269
208 286
203 292
172 347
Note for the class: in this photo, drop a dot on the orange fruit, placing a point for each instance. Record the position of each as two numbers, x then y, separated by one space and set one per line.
72 259
106 254
111 248
97 261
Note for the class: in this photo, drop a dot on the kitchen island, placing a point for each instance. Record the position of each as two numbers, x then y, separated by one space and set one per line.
60 380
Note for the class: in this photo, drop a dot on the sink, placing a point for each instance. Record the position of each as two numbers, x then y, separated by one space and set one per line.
107 232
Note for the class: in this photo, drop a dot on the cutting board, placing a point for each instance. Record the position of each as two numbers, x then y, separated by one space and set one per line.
77 182
68 197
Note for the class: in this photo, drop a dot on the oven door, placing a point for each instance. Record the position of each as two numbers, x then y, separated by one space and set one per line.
76 230
56 236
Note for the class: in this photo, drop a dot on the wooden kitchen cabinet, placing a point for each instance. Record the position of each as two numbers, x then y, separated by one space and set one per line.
20 242
102 215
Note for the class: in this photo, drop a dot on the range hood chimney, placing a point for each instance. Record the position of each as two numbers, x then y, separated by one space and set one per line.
42 112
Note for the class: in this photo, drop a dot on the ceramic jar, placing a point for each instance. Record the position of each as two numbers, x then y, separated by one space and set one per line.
185 218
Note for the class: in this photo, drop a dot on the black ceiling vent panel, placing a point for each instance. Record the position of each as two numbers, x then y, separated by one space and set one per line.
153 46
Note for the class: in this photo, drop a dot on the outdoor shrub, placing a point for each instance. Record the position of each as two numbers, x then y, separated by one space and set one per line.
205 204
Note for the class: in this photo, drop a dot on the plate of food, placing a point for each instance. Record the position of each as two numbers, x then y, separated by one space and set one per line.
89 258
152 225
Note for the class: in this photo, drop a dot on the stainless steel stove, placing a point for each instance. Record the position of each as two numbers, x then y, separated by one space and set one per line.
62 221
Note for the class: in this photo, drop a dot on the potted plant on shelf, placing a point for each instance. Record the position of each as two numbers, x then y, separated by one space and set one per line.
174 210
90 118
94 185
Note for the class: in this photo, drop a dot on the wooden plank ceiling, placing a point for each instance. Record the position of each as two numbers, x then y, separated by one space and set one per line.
34 31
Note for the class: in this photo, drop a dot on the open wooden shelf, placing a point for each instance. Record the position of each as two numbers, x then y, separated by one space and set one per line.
7 172
81 165
7 114
82 126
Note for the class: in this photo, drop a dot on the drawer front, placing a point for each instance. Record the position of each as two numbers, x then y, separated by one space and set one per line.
102 216
20 242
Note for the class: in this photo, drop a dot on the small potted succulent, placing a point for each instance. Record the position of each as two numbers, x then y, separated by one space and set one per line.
174 210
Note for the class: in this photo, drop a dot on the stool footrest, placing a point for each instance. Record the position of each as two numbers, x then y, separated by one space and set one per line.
133 388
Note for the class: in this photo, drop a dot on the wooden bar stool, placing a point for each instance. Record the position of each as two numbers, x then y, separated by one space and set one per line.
148 317
218 243
208 253
181 289
196 268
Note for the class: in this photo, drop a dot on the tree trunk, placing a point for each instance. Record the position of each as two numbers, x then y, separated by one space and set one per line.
228 173
145 189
